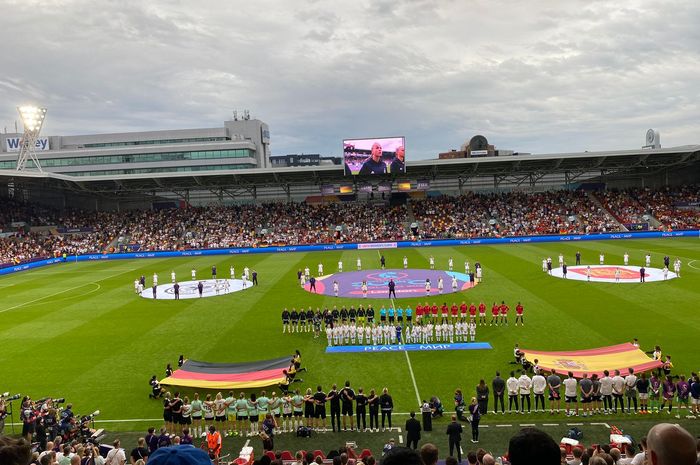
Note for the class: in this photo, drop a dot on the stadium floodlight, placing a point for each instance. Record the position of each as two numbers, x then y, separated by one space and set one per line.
32 119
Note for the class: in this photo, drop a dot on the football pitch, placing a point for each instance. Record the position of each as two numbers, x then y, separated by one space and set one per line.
78 330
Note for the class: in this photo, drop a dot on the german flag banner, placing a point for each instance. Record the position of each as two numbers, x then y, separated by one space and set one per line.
246 375
618 357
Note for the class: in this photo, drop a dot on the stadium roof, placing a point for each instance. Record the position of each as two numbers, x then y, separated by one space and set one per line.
514 169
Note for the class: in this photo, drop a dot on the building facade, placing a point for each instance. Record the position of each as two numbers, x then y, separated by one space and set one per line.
239 144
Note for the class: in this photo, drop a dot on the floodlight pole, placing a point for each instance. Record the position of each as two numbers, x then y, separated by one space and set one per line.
32 120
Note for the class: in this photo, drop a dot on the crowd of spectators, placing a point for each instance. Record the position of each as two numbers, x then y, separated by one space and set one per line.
466 216
676 208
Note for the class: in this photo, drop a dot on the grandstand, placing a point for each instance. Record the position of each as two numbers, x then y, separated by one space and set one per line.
562 198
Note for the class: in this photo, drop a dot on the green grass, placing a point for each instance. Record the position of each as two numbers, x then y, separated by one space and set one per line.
77 330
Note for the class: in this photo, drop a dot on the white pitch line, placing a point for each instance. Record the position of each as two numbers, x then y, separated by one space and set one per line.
246 443
503 426
690 264
574 424
526 424
400 439
601 424
550 424
60 292
410 367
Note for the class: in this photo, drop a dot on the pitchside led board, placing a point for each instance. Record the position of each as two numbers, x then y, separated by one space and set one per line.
381 155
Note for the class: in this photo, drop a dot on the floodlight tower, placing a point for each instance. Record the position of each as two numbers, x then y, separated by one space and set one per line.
33 120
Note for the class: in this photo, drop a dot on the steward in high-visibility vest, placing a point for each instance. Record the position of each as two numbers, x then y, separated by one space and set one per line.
214 443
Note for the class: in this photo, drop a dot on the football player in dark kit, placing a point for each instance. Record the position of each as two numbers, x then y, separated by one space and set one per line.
578 258
370 314
312 284
255 278
213 272
200 288
347 395
392 288
176 288
382 261
334 398
374 164
398 164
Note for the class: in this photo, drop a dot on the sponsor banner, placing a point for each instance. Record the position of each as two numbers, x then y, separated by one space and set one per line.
379 245
12 144
75 230
409 347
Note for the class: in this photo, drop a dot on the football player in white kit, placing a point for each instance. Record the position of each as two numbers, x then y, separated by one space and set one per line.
466 267
626 259
454 284
155 279
136 286
544 265
602 258
232 271
450 264
246 273
561 260
194 274
172 277
364 289
647 260
329 335
405 262
472 331
427 286
440 285
359 264
340 266
431 260
336 288
677 267
320 269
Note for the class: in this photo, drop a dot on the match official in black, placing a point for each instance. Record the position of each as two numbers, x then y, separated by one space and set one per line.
413 430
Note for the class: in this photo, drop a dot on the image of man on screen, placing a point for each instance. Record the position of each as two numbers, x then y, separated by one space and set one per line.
398 164
374 164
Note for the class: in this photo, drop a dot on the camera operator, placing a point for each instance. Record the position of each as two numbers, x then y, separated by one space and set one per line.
51 423
28 418
3 414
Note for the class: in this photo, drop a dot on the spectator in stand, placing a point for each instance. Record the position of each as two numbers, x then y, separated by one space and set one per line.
429 454
531 446
670 445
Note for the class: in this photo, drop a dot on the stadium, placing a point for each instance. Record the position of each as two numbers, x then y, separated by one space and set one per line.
73 244
445 236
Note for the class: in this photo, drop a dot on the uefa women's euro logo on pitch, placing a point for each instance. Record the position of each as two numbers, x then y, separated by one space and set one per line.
374 284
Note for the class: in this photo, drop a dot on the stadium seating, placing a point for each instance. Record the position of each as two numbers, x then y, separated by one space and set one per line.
469 215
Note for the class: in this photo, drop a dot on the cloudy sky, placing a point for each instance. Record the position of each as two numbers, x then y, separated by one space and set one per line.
535 76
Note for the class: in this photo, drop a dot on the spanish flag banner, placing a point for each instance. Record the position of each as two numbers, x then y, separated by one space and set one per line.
618 357
246 375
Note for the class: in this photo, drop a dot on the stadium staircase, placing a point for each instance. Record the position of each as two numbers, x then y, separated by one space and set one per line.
596 201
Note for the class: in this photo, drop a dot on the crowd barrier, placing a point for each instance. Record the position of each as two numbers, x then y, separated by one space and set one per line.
356 246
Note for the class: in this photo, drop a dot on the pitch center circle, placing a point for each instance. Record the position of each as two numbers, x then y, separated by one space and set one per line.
408 283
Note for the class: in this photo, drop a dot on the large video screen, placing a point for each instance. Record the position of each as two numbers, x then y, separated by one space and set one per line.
381 155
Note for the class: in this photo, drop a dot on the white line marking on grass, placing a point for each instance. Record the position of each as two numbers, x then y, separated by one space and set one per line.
504 426
246 443
410 367
526 424
601 424
690 264
59 292
574 424
550 424
400 439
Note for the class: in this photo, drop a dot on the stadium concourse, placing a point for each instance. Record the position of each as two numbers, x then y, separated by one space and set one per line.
470 215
